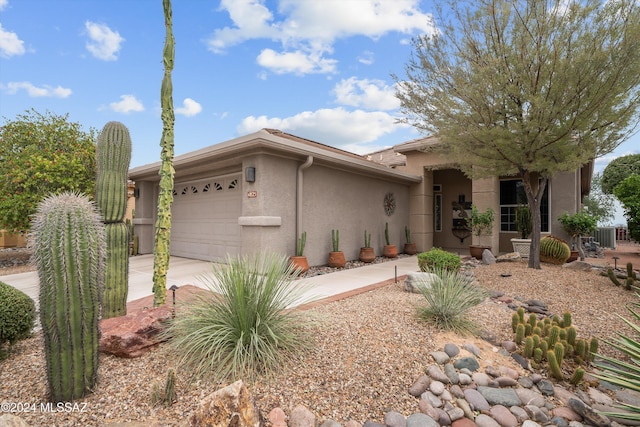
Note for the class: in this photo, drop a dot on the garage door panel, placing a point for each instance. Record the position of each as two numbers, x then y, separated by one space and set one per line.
205 219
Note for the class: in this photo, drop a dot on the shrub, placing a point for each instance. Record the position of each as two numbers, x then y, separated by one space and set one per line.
17 314
244 327
450 295
437 258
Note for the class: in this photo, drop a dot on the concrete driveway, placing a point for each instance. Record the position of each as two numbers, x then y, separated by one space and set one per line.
181 271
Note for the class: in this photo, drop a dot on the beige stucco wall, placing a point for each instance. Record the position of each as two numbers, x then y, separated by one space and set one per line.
331 199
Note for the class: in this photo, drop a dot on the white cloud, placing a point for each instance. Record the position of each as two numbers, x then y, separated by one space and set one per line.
10 44
365 93
349 130
38 92
189 108
127 104
3 4
310 28
295 62
367 58
104 43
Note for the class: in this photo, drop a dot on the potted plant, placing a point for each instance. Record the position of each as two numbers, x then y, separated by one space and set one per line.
367 254
577 225
388 250
336 256
299 261
409 247
524 225
480 223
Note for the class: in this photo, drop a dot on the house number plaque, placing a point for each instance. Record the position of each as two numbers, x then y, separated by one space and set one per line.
252 194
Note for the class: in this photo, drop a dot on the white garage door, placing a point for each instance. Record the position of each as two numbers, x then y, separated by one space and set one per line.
205 215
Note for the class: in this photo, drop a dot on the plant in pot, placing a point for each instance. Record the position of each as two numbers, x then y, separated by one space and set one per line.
299 261
336 256
577 225
524 225
409 247
367 254
480 223
388 250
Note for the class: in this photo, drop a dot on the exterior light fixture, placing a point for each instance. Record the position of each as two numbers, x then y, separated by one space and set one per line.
250 174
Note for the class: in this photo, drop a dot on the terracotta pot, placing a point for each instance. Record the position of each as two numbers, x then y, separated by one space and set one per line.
476 250
336 259
367 255
390 251
299 263
574 256
410 248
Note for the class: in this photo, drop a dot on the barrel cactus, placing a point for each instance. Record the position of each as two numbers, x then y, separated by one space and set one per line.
69 251
113 155
554 250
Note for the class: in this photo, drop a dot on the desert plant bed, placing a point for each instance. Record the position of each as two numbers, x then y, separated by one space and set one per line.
362 363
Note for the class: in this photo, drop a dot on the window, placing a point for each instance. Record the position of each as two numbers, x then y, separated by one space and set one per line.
511 196
437 214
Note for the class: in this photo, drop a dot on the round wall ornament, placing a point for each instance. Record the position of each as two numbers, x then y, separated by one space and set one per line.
389 204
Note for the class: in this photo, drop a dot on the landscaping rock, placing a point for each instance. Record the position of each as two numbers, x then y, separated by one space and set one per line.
9 420
301 417
231 405
134 334
510 257
415 280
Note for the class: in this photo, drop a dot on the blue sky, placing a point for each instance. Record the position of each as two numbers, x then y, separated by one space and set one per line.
317 69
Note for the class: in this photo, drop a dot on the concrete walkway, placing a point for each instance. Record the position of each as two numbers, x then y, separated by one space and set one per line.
184 271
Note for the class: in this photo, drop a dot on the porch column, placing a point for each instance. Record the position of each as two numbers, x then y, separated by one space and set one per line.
421 212
485 193
145 213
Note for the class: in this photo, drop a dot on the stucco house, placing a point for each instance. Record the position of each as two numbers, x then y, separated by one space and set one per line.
262 190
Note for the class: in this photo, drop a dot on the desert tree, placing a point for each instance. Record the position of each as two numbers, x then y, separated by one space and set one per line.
161 252
526 88
619 169
42 154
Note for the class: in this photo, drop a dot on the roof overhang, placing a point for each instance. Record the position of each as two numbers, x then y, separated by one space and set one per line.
230 153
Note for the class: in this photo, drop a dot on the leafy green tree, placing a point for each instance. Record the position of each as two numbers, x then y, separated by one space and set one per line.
628 192
577 225
42 154
526 88
161 252
599 204
619 169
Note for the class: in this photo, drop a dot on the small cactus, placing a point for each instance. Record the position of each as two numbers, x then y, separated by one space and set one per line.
558 350
69 251
335 240
537 355
577 376
554 335
386 233
515 320
367 239
566 320
520 312
554 366
554 250
571 335
302 241
528 347
593 349
520 333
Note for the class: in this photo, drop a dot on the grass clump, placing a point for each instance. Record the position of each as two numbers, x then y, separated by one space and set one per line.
449 296
245 327
624 373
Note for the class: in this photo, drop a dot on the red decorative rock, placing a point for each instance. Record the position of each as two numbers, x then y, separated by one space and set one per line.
134 334
278 418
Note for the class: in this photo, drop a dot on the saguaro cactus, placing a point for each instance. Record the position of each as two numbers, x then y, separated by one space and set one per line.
113 155
69 254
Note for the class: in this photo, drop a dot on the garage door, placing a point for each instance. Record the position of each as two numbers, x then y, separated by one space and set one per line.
205 218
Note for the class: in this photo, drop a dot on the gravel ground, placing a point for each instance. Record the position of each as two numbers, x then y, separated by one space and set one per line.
368 349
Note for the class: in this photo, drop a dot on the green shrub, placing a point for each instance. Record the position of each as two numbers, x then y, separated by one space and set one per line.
449 296
17 314
437 258
244 327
